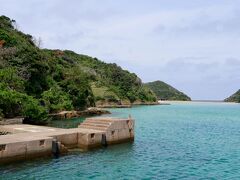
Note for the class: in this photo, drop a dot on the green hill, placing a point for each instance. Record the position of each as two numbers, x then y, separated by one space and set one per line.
35 82
234 98
166 92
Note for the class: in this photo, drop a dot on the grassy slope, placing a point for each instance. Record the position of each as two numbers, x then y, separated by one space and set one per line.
166 92
109 82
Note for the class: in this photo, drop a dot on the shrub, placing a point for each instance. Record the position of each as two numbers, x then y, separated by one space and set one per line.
111 98
13 103
76 83
56 100
10 103
10 79
33 112
9 40
1 115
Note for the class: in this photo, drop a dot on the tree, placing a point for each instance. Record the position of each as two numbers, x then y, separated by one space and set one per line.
76 83
10 79
13 103
56 100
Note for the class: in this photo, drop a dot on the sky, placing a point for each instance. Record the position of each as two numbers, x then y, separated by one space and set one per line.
194 45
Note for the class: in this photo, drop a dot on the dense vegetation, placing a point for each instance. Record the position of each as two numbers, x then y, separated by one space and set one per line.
234 98
35 82
166 92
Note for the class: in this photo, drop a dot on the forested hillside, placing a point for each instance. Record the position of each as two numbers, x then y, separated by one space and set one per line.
35 82
234 98
166 92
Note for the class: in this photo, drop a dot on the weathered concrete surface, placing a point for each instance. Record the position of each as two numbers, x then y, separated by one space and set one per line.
11 121
116 130
23 128
23 146
27 141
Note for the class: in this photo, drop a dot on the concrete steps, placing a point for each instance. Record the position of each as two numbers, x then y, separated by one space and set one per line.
96 123
93 127
98 120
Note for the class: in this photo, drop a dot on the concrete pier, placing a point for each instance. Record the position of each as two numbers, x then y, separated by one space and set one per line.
28 141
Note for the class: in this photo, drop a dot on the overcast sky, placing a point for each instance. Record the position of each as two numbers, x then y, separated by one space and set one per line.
194 45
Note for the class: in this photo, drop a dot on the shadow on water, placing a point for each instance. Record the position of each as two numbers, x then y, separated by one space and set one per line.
68 123
73 154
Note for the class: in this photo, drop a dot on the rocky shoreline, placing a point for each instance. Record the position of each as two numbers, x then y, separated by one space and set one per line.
73 114
146 103
61 115
93 111
115 106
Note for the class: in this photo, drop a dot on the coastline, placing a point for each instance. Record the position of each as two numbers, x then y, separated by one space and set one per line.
128 105
93 111
73 114
196 101
102 109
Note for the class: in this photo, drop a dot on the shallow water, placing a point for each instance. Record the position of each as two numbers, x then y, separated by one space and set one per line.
180 141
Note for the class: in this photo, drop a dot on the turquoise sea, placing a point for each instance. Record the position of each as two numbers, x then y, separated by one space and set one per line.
179 141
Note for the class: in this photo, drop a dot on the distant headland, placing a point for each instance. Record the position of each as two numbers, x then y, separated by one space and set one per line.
166 92
234 98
